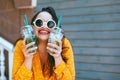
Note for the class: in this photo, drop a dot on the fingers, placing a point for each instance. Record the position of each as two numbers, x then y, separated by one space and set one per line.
58 47
31 50
28 49
24 41
29 45
52 50
55 50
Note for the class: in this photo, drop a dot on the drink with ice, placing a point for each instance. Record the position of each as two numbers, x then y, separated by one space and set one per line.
28 33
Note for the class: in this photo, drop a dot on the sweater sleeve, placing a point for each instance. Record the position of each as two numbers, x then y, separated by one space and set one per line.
66 70
19 71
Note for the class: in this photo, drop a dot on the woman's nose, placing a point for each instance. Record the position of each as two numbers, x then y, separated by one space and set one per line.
44 24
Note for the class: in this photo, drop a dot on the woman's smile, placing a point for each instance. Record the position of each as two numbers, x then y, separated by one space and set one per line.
44 32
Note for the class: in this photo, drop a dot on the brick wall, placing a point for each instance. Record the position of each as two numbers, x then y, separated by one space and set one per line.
11 19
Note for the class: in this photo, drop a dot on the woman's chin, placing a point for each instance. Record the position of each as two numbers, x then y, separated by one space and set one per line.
43 37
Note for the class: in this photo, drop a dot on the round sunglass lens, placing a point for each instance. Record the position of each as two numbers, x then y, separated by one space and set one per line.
38 23
50 24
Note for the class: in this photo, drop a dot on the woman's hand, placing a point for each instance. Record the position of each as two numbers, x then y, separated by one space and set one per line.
27 51
55 51
28 54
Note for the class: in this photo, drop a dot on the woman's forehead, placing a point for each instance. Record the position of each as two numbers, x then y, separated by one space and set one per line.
44 15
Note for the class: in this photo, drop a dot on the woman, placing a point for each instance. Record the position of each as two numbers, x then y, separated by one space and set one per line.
41 65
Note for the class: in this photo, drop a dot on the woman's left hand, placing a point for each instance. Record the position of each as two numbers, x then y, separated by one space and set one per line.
55 50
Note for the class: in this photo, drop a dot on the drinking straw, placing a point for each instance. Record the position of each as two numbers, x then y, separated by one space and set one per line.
26 23
59 21
25 20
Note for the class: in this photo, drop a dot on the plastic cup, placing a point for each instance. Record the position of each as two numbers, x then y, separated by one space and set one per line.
55 35
28 33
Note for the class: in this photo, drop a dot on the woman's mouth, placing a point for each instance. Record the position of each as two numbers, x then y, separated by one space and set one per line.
44 32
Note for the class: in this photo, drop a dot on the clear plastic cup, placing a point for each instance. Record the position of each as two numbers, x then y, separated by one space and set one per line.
57 34
28 33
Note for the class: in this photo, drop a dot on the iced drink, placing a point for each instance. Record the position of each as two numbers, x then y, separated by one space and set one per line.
55 35
28 33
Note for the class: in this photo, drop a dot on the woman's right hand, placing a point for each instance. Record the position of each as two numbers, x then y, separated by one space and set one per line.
27 51
28 54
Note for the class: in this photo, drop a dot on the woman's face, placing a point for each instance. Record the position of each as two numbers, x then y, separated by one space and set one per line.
43 32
